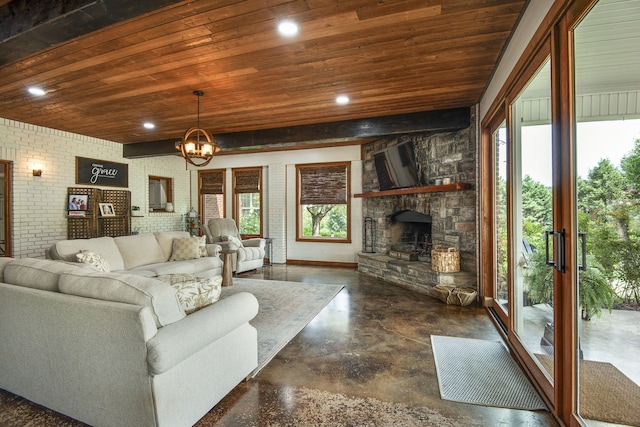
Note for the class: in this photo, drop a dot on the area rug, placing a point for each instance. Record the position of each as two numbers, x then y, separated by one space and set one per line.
606 394
483 373
285 309
310 407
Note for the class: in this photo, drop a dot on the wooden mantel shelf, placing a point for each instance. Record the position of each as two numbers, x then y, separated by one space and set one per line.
458 186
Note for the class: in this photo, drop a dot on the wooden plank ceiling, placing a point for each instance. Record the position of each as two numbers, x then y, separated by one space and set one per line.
389 57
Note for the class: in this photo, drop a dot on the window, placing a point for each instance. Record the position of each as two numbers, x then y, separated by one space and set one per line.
323 202
247 200
160 192
212 185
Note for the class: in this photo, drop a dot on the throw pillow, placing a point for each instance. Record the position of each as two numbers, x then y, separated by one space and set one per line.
202 246
186 248
232 239
95 260
194 293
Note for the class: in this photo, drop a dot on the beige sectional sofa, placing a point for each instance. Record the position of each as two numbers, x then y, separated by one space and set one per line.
116 349
143 254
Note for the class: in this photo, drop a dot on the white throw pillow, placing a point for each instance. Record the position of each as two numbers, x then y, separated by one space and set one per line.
186 248
202 246
194 292
95 260
232 239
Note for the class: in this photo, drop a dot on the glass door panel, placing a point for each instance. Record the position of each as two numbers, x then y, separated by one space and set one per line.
533 314
501 224
607 86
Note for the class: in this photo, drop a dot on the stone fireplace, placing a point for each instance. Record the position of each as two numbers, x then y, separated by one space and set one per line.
410 231
418 221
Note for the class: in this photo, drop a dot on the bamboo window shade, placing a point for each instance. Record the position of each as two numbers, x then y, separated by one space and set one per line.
212 182
323 185
247 181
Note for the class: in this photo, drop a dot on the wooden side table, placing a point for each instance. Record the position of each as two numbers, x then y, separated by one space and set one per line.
227 268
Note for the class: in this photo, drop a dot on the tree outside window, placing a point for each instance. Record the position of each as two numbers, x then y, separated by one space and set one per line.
323 202
247 189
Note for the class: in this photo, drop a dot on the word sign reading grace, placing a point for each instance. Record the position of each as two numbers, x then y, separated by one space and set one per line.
101 172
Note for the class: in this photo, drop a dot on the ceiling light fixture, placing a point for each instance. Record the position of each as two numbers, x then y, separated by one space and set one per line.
288 28
36 91
197 146
342 99
148 125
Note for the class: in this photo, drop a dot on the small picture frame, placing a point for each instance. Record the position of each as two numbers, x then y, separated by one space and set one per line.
77 204
106 209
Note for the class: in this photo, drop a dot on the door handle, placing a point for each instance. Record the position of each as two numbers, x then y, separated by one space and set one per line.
558 243
583 244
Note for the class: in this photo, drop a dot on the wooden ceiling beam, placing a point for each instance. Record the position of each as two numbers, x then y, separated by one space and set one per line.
427 121
31 27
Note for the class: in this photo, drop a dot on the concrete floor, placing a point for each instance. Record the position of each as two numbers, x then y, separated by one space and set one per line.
371 341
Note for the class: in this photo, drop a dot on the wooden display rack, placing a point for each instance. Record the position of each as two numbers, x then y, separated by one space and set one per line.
92 224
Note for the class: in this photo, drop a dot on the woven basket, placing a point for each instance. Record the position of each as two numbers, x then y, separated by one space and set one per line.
445 260
455 296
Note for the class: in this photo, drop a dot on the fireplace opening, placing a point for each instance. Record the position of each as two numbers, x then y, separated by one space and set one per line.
411 232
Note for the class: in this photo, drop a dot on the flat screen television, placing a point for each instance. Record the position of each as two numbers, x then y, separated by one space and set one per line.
396 166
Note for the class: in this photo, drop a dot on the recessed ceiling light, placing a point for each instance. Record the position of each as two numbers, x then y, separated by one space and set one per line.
36 91
342 99
288 28
148 125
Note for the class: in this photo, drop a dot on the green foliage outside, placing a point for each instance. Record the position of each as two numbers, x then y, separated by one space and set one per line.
324 221
249 223
609 214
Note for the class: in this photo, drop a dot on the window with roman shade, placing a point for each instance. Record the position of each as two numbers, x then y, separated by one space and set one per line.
212 187
323 202
247 190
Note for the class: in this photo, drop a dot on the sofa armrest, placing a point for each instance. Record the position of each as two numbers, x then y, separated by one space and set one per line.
255 242
213 249
176 342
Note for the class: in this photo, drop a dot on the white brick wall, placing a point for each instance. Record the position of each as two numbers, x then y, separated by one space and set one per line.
277 197
39 203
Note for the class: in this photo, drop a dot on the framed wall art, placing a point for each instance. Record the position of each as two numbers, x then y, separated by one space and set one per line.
101 172
106 209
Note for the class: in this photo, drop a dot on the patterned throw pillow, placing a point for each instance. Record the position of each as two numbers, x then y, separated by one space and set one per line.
95 260
185 248
193 292
202 246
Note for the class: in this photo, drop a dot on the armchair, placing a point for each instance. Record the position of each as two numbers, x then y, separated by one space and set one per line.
250 252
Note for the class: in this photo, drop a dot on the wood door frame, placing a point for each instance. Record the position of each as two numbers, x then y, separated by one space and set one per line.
8 220
557 29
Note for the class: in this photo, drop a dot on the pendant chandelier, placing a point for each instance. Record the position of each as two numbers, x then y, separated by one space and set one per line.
197 146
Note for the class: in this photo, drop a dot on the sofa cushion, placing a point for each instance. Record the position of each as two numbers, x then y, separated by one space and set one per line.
105 246
3 262
159 296
95 260
40 273
165 240
193 292
186 248
139 250
194 266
